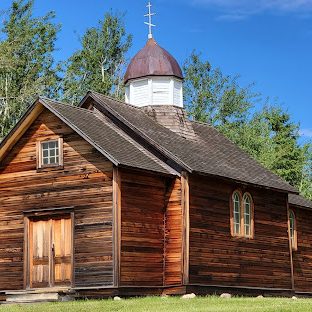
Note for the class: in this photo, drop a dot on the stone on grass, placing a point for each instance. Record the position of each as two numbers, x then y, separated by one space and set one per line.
260 297
116 298
188 296
164 296
294 298
226 295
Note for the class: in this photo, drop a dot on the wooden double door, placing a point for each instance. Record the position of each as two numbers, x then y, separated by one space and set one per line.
50 252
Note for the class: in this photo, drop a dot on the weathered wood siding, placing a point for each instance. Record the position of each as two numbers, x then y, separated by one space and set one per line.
142 229
302 257
216 258
173 233
85 183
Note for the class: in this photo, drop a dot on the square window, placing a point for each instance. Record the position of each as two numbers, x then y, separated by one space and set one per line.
49 153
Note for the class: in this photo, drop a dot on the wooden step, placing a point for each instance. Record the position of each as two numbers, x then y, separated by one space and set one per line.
33 297
39 295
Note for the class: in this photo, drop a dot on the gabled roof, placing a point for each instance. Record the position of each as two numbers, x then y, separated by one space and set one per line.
99 132
300 201
210 153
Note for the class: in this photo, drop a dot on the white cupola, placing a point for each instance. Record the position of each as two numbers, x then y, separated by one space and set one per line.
153 76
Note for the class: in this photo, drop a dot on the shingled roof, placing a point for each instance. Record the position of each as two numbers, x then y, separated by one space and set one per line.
298 200
210 153
104 136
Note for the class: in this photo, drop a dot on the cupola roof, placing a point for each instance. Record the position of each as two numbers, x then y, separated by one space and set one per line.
152 60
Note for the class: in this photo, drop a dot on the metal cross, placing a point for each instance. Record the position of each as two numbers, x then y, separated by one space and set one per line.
149 23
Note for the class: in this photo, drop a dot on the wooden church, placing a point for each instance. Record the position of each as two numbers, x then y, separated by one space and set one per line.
111 198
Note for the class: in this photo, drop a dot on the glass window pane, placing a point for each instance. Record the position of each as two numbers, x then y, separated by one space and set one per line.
247 214
50 153
236 213
292 227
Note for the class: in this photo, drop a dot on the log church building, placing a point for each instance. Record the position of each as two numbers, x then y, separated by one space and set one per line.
132 198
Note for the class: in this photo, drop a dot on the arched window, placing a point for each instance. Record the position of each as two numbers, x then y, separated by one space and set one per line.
242 215
293 230
236 213
247 208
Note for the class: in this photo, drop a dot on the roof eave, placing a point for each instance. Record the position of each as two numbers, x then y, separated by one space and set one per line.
282 190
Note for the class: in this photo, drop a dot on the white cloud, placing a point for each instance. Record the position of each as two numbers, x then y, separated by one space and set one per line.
238 9
306 133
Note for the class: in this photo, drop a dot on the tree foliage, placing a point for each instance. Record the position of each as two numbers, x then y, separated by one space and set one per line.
210 96
99 63
268 135
27 67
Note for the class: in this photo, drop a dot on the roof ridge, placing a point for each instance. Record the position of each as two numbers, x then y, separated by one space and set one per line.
202 123
68 105
116 100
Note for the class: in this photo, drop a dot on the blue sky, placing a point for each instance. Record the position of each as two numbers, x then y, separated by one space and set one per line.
268 42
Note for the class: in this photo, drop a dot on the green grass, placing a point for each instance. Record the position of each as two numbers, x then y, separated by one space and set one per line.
172 304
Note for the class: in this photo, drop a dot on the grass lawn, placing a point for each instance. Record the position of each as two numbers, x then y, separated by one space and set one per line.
207 304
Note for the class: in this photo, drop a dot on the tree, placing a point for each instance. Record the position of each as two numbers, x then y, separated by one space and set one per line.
274 143
305 186
27 67
99 63
213 97
267 135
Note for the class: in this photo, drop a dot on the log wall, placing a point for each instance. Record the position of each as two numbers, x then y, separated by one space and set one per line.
302 257
142 229
85 183
217 258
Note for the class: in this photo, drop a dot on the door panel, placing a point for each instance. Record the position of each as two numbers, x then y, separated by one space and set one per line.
62 249
50 252
40 254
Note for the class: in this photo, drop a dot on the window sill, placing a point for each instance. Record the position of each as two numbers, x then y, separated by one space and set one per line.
50 168
239 237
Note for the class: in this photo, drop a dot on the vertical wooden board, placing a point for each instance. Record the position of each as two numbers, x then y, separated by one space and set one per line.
302 257
116 224
173 233
185 202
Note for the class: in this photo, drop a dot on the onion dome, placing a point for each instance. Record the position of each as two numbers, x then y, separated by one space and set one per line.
152 60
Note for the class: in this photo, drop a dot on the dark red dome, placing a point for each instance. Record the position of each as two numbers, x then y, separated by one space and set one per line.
153 60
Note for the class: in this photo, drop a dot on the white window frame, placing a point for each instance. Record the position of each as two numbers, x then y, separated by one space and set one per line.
40 164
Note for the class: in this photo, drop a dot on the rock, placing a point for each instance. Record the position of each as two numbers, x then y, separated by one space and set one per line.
164 296
294 298
116 298
260 297
226 295
188 296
